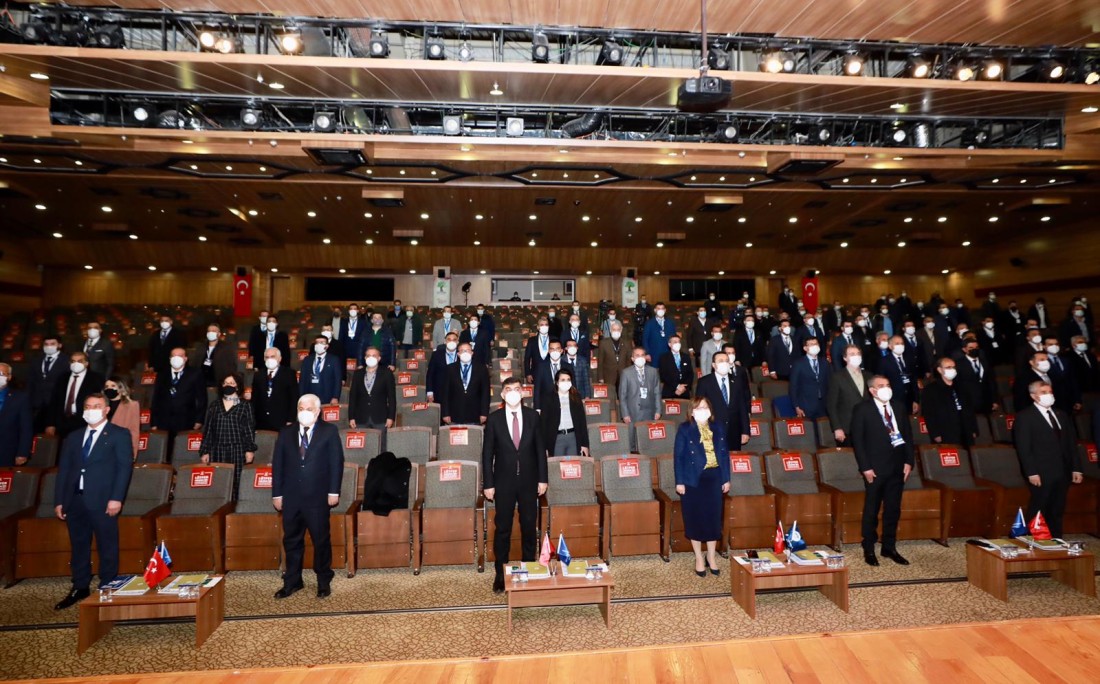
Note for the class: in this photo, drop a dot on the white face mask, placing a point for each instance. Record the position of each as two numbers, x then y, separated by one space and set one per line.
959 305
451 346
371 362
1079 313
93 416
809 321
320 348
848 330
574 324
1046 400
813 351
749 325
910 330
717 337
576 308
701 415
177 362
76 367
446 315
306 418
676 348
899 349
963 331
327 333
3 381
610 317
639 362
884 394
855 361
164 325
49 350
571 351
409 314
465 357
616 334
885 312
473 325
1043 366
884 345
660 313
93 333
785 330
271 325
354 313
930 325
271 364
551 314
564 386
212 337
555 354
1053 349
950 373
263 319
944 311
544 329
722 368
1036 339
512 398
1081 347
989 325
481 312
862 324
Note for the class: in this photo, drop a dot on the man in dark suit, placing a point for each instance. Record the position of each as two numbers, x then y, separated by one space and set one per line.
1046 442
847 389
846 338
479 340
833 317
274 393
44 373
489 324
163 341
677 375
751 344
320 373
727 391
948 413
100 352
94 468
537 349
899 367
883 444
1039 313
352 335
69 394
306 472
1083 365
931 344
465 398
546 372
513 473
782 353
16 423
788 302
179 398
372 401
214 357
809 382
697 331
578 333
993 343
436 377
1038 370
272 337
257 338
809 329
1075 324
1063 380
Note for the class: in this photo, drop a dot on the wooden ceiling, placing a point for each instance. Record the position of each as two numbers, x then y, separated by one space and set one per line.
1002 22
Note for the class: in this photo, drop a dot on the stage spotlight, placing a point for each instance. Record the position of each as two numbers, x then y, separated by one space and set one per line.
452 124
79 36
169 118
357 119
718 59
611 54
540 48
434 48
853 64
898 134
379 44
207 40
973 137
727 132
141 114
109 36
251 117
777 62
964 72
227 44
289 42
1051 70
465 52
1091 73
918 67
37 31
821 134
513 127
324 122
991 70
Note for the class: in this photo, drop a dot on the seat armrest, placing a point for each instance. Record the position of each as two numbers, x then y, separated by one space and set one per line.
225 509
602 499
662 496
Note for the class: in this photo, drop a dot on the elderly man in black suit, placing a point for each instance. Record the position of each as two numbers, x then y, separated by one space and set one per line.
162 342
1046 443
274 392
513 474
883 444
306 473
94 469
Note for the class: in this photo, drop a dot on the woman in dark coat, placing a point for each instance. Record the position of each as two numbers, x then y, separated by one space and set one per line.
564 430
229 432
702 464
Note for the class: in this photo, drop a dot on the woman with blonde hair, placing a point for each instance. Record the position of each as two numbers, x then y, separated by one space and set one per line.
125 410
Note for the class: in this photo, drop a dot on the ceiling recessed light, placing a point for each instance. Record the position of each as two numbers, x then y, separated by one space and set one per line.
202 238
194 167
771 272
496 91
477 243
637 219
996 180
741 219
482 271
78 162
326 241
721 273
106 210
228 167
886 272
464 148
39 76
40 207
656 273
945 271
660 244
531 243
3 160
721 179
213 268
478 216
897 105
412 271
908 219
414 243
844 244
899 158
133 236
369 241
533 217
585 218
187 141
368 215
311 214
274 270
595 244
693 178
942 219
565 175
845 180
901 244
993 219
966 243
87 267
563 151
690 219
534 174
1045 219
424 216
152 268
343 270
596 176
1090 110
1023 181
263 169
275 85
793 219
748 245
58 235
588 272
253 212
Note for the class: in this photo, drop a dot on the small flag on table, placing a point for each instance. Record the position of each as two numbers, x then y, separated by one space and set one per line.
563 551
779 542
164 554
1039 529
1019 526
794 539
544 557
157 571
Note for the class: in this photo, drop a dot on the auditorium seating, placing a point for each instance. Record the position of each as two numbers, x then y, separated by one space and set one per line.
360 446
42 540
265 446
385 541
152 447
655 438
418 414
672 519
608 439
19 489
967 506
792 477
414 443
761 439
460 442
1000 425
185 448
919 430
795 434
749 510
448 523
342 522
570 506
44 451
675 410
253 530
597 410
1083 499
146 500
194 527
998 468
630 511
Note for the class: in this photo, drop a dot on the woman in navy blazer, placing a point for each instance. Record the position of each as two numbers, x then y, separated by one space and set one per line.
702 464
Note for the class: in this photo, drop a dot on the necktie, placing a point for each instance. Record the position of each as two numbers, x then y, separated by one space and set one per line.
87 450
88 346
49 364
270 382
813 365
889 419
305 444
554 369
163 335
1084 356
175 377
676 358
901 363
71 401
515 429
848 339
977 369
317 366
787 343
752 338
1054 424
465 375
725 392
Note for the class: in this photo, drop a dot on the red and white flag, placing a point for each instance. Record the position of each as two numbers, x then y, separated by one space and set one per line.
544 557
1039 529
157 570
779 542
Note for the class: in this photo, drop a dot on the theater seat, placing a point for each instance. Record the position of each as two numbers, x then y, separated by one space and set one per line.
998 467
597 411
419 414
152 448
146 499
570 506
968 507
414 443
630 511
672 518
448 523
1084 498
761 440
460 442
795 434
385 541
265 446
608 439
44 451
254 531
792 477
655 437
42 541
342 522
194 527
749 509
185 450
18 493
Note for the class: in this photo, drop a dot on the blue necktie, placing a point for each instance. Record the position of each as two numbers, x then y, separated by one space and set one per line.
725 392
87 450
317 367
465 375
305 443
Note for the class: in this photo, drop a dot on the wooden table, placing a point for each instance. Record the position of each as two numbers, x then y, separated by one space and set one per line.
988 570
96 618
559 591
745 583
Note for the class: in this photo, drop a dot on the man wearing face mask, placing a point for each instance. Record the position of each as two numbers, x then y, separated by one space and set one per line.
713 307
179 398
547 371
380 337
336 348
443 325
274 393
675 369
726 388
751 342
320 373
513 474
810 329
69 394
1083 365
846 337
214 357
847 389
931 344
697 331
948 412
976 377
445 354
1046 443
478 339
883 443
554 322
782 353
43 375
1038 311
99 350
899 367
990 308
642 313
788 303
1062 380
1075 325
94 468
1012 323
408 331
657 333
354 333
336 321
832 318
579 369
273 337
578 334
883 321
257 338
605 327
372 401
465 399
16 424
613 356
537 350
489 324
993 343
161 343
809 382
639 393
712 346
306 472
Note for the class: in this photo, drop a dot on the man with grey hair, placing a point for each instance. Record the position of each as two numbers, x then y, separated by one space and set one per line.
274 392
1046 443
307 470
612 356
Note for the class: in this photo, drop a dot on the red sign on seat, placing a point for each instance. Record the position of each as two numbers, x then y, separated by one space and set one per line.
194 441
796 428
756 406
740 464
923 426
330 414
355 440
412 364
672 407
146 417
404 378
262 479
202 478
1090 449
450 473
459 436
143 442
7 480
570 470
591 407
599 391
792 462
409 392
420 406
149 378
949 458
754 428
657 431
628 467
609 434
1010 420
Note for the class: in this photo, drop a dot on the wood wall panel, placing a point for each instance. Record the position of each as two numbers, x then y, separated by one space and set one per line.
134 287
18 268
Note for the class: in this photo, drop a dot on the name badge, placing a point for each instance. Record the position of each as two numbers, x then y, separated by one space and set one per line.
896 439
645 393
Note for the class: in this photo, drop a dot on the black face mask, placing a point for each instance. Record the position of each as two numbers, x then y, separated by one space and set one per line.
228 390
973 353
111 394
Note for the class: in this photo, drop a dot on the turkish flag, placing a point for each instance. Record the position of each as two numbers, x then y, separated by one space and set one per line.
157 570
242 295
809 293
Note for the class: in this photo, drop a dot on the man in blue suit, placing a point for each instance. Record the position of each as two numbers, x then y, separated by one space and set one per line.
16 422
352 335
321 373
306 472
809 381
94 473
655 338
